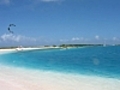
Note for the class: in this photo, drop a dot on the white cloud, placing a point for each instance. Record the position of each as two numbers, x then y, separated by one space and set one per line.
114 38
9 37
50 0
5 2
64 40
38 1
16 38
97 37
75 39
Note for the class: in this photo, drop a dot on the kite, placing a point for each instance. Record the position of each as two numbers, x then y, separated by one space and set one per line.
9 28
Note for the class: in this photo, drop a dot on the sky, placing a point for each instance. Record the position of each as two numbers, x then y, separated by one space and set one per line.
48 22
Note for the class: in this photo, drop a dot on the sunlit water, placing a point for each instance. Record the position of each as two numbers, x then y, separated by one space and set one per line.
92 61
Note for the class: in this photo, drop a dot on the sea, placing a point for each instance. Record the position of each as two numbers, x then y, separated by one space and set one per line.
89 61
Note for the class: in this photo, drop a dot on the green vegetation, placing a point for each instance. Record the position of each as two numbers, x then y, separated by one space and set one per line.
78 45
46 46
54 45
8 47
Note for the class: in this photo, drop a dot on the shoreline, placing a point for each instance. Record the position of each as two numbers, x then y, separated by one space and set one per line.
12 50
23 79
4 51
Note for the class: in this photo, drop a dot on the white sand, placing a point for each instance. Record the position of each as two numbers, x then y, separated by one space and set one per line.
23 79
3 51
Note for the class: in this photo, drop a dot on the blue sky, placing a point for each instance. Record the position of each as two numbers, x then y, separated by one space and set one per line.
41 22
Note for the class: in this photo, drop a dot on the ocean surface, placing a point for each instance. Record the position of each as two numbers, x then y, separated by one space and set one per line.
91 61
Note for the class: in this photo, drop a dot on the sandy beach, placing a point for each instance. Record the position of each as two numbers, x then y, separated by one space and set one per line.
22 79
3 51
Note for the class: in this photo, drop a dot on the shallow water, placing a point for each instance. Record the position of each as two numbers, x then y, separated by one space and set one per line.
94 61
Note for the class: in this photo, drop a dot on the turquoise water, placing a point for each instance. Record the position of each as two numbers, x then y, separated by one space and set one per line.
98 61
